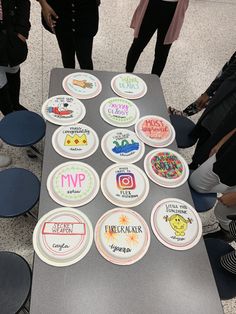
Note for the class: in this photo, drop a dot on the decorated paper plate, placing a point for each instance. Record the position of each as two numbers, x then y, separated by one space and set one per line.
155 131
122 145
73 184
122 236
129 86
63 110
119 112
63 236
166 167
125 185
82 85
76 141
176 224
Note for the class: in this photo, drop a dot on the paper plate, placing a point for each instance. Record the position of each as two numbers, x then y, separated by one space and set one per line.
176 224
76 141
165 167
63 110
155 131
122 236
122 145
129 86
82 85
119 112
73 184
125 185
63 236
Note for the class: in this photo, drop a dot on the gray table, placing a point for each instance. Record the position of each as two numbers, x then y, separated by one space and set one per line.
164 281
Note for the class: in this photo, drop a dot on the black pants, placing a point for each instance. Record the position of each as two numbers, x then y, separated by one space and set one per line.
70 45
158 16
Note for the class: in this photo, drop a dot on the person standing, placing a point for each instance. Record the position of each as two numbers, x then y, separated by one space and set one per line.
75 23
164 16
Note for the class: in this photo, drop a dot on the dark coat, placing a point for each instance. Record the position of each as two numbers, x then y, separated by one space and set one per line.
80 16
16 14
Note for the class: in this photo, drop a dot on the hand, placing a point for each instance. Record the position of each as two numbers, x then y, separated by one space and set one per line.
202 101
23 38
49 15
228 199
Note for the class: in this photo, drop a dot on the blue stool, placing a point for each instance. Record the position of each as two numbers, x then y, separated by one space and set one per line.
203 201
22 128
15 278
183 126
225 281
19 193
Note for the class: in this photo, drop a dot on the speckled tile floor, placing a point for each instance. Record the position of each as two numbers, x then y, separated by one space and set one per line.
207 40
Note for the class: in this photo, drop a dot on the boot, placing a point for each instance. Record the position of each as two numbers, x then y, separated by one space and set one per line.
13 80
5 101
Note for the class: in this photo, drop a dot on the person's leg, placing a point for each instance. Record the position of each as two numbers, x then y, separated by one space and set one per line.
67 48
83 49
5 101
14 82
147 29
165 16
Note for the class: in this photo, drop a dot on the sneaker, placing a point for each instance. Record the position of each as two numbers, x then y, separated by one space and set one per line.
5 161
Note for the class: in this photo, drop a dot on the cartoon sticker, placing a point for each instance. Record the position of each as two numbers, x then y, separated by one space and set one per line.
125 185
122 145
119 112
82 85
63 110
155 131
129 86
75 141
63 236
73 184
122 236
176 224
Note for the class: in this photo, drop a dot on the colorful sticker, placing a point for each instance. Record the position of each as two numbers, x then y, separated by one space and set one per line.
155 131
119 112
75 141
73 184
122 145
125 185
129 86
176 224
63 236
122 236
166 167
63 110
82 85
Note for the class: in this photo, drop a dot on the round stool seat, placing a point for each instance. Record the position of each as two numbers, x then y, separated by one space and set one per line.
19 191
15 278
203 201
22 128
183 126
225 281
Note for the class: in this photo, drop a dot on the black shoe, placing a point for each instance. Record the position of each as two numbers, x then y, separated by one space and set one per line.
221 234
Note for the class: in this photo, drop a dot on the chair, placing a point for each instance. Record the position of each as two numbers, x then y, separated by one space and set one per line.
15 278
22 129
225 281
203 201
183 126
20 190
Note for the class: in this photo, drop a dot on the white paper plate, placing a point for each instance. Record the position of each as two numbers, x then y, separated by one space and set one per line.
155 131
129 86
76 141
125 185
166 167
122 145
63 236
122 236
176 224
119 112
63 110
82 85
73 184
